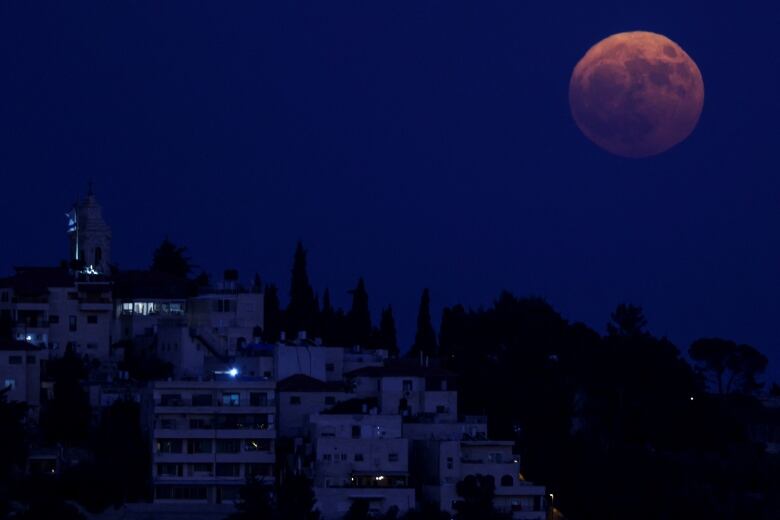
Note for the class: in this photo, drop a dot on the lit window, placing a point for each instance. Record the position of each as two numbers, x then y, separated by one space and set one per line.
10 384
230 399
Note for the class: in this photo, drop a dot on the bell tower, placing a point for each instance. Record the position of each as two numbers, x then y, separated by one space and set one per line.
89 235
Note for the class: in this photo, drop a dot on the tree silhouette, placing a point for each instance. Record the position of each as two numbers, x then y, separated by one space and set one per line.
476 503
425 338
255 502
296 499
387 337
358 510
359 317
627 320
171 259
731 367
66 417
301 313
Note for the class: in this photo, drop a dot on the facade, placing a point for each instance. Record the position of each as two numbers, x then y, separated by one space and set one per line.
56 308
20 372
89 236
210 436
360 456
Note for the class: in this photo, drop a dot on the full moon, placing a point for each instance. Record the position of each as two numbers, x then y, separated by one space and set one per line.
636 94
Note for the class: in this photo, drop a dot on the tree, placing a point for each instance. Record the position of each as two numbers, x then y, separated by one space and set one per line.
731 367
476 492
66 417
171 259
425 338
628 321
13 446
122 453
255 503
272 321
296 499
358 510
6 327
301 313
387 337
359 317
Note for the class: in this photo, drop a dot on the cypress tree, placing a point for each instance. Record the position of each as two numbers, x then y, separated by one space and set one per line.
387 333
359 317
425 338
301 312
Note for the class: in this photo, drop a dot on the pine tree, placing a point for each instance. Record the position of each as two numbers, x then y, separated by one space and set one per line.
301 313
425 338
171 259
387 333
359 317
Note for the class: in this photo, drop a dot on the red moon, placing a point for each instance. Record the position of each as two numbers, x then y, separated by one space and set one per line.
636 94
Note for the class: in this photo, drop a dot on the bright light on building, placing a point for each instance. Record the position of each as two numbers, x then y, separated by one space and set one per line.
691 398
233 372
28 338
380 477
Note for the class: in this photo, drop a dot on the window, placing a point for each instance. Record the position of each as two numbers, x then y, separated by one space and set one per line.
258 399
223 305
295 399
257 445
170 399
230 399
10 384
169 445
327 457
72 323
14 360
228 470
180 492
31 360
199 446
407 385
228 445
92 346
202 468
176 308
358 457
392 457
168 424
255 470
330 367
440 408
54 319
98 255
356 432
92 319
201 423
330 400
202 400
4 296
449 462
169 470
507 481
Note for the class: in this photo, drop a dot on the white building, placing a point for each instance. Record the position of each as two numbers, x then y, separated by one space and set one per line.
20 372
55 308
301 396
210 436
359 456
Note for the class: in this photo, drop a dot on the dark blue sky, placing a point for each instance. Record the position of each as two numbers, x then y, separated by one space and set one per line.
414 143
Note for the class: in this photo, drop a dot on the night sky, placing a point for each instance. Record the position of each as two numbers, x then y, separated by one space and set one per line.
413 143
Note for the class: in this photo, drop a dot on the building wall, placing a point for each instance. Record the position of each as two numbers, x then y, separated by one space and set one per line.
296 407
21 370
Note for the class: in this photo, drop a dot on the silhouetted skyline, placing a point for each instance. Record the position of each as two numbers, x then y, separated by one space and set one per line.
427 150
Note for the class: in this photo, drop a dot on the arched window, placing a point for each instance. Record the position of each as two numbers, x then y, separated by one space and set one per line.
507 481
98 255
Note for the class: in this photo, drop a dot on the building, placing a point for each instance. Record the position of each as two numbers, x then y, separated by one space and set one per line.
89 236
55 308
20 372
359 456
210 436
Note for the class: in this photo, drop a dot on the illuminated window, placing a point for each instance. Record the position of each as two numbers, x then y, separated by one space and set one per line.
10 383
127 308
231 399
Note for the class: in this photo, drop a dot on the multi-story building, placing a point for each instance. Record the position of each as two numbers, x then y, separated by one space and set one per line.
359 456
56 308
20 372
210 436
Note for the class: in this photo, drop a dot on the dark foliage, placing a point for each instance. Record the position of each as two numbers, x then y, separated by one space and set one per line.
273 318
732 368
476 494
359 317
66 417
296 500
425 337
256 502
301 313
386 335
171 259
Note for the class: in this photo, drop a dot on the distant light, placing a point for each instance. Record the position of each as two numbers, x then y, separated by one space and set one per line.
233 372
28 338
380 477
691 398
